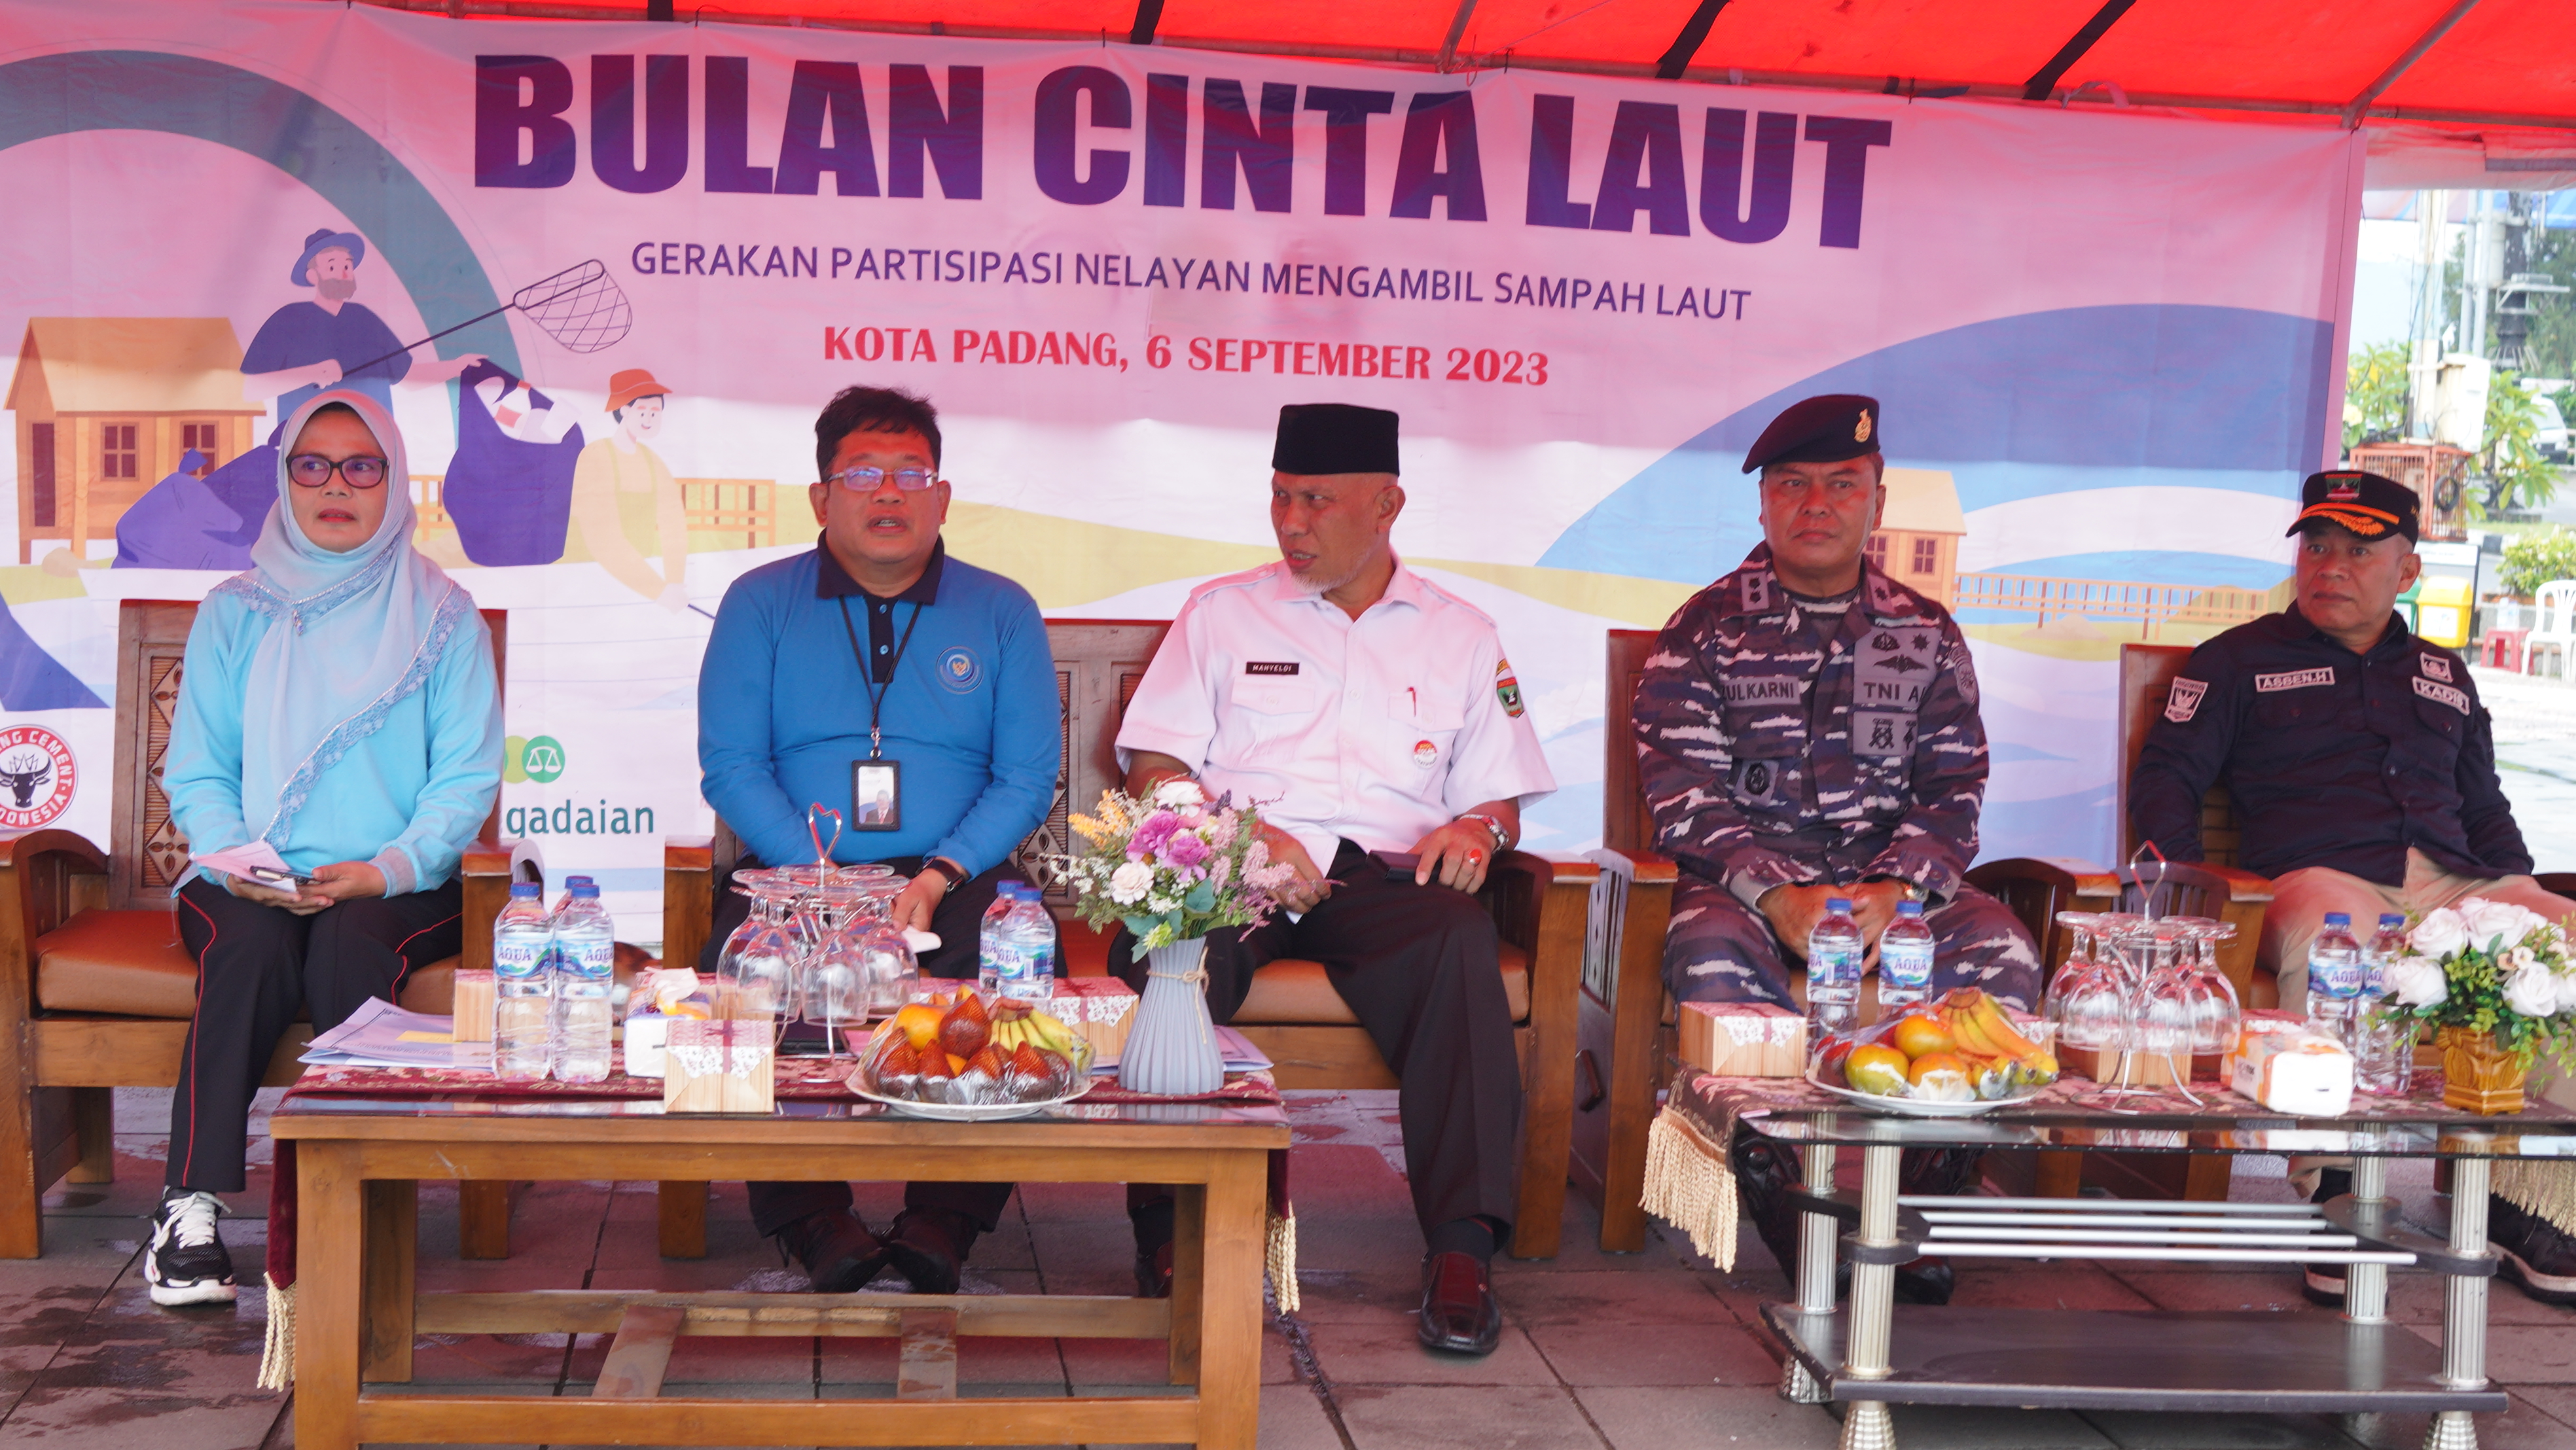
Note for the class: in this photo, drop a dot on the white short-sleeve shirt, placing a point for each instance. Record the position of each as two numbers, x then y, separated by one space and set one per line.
1377 729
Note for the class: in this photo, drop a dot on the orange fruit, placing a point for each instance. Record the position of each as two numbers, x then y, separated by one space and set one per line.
919 1024
1918 1033
1876 1068
1932 1062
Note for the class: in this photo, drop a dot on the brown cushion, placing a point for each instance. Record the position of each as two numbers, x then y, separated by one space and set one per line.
130 963
126 962
1286 993
1293 993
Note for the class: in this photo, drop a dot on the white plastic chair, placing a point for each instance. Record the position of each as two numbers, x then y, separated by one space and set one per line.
2555 629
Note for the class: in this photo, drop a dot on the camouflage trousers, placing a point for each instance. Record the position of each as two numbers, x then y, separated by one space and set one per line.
1720 950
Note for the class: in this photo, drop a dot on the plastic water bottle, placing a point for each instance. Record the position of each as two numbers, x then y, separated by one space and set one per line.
2336 982
522 1018
1017 950
1833 971
1904 958
585 973
2386 1065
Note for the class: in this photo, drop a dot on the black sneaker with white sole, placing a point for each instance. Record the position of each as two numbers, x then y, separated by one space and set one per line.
2535 1256
186 1262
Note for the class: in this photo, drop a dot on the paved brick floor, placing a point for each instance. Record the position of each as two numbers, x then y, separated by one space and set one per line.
1649 1350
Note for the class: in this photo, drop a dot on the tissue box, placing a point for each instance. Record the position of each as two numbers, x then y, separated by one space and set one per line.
1743 1039
2102 1064
721 1066
647 1033
476 999
2298 1072
1098 1009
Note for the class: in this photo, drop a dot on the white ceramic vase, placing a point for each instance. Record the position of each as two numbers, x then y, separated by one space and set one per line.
1172 1048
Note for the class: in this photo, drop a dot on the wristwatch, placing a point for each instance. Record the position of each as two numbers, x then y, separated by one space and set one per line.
1502 838
955 873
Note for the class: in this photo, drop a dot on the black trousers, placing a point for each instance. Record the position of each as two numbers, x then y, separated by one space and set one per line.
959 922
1417 964
259 965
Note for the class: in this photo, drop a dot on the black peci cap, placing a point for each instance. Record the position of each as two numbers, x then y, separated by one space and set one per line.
1334 438
2362 504
1818 430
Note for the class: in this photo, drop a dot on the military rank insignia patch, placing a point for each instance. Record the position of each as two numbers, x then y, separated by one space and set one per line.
2436 666
2451 695
1507 688
2184 702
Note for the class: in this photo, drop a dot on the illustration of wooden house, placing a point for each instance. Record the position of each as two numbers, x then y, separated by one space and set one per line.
1917 542
106 407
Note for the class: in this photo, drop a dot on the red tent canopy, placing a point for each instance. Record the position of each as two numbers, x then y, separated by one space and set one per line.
2451 63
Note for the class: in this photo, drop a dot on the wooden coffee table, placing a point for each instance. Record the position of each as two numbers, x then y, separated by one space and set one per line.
358 1162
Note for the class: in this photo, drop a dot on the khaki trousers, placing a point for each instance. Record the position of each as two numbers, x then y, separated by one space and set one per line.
2301 899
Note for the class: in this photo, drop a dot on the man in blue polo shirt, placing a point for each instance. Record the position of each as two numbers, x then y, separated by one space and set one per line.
915 695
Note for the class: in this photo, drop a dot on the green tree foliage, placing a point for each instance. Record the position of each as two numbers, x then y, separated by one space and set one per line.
2516 476
2374 395
2536 559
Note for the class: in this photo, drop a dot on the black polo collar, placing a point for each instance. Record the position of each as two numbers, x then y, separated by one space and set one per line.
831 581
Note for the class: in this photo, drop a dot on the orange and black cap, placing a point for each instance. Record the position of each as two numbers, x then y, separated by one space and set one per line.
2364 505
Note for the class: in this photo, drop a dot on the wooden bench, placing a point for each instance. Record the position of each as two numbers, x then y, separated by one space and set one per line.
1292 1013
96 992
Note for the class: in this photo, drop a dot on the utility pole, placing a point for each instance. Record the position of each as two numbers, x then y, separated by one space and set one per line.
2424 363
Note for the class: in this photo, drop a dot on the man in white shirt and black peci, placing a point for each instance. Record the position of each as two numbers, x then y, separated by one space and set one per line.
1367 712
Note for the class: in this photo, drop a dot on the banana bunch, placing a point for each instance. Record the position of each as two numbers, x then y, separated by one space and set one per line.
1036 1029
2000 1060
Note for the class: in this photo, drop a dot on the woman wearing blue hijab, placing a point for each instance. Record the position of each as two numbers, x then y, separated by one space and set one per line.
338 703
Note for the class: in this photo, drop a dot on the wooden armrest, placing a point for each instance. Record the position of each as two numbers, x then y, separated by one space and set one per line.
2242 885
485 858
2069 873
688 853
1642 868
37 894
487 869
19 848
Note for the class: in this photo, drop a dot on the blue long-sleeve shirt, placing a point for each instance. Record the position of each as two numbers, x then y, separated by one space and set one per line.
408 798
970 710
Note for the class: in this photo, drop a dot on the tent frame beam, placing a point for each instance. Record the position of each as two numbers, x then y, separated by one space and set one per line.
2043 82
1429 60
2353 113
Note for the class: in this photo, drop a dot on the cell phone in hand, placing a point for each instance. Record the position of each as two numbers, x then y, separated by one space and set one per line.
271 876
1400 865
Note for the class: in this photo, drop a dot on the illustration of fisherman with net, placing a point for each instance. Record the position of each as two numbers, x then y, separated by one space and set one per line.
508 487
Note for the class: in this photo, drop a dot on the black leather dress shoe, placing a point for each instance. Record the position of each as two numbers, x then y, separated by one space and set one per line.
929 1247
2323 1283
837 1251
1459 1314
2537 1257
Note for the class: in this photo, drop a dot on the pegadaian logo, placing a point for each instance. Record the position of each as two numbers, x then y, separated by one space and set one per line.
37 777
539 758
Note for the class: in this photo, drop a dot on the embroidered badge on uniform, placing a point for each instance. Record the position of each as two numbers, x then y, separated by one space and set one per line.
2294 680
1425 754
2438 666
959 670
1755 588
1894 667
1763 689
1507 688
2184 702
1270 667
1883 733
1757 782
2451 695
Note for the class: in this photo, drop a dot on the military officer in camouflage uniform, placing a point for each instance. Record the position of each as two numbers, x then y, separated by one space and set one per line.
1807 727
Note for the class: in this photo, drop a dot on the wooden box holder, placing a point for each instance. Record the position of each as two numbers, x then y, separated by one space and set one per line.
724 1065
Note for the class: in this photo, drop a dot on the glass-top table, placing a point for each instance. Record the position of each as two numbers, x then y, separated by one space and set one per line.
1873 1352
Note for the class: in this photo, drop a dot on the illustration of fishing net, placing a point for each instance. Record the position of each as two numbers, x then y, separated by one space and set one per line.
581 307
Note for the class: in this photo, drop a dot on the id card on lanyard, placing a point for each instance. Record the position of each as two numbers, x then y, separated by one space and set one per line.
876 783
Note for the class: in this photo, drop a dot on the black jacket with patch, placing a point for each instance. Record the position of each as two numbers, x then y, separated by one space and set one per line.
2334 759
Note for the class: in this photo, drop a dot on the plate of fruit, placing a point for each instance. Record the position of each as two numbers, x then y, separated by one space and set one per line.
958 1058
1957 1058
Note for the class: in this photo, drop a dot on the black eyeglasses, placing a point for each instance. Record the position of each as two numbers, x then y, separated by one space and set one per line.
866 477
312 470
